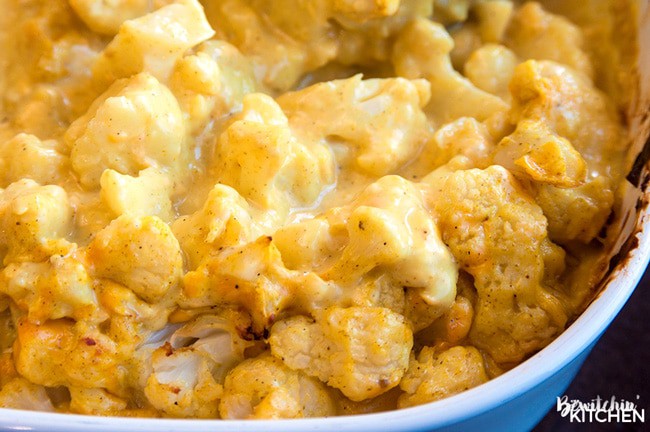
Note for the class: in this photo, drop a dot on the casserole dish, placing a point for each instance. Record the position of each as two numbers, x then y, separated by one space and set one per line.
521 395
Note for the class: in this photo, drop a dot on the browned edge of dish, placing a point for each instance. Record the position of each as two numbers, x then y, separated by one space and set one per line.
634 211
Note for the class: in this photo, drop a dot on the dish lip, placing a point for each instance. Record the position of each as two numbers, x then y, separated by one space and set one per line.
577 338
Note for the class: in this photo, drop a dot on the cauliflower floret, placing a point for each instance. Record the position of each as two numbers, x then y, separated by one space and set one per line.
140 253
390 228
435 376
451 328
490 68
535 152
571 105
370 42
140 367
465 136
264 388
498 235
154 42
254 276
309 244
236 72
378 123
536 34
59 353
181 384
578 213
26 156
422 51
144 195
211 83
137 123
224 221
493 18
107 16
130 316
196 82
217 337
21 394
34 221
198 73
53 289
575 110
287 39
187 372
259 156
383 292
384 249
362 351
283 38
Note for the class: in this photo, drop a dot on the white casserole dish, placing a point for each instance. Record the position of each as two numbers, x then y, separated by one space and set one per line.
514 401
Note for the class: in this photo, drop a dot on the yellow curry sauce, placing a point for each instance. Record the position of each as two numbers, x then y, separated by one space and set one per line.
280 209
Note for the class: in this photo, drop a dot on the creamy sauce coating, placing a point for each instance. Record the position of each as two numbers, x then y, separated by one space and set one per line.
284 209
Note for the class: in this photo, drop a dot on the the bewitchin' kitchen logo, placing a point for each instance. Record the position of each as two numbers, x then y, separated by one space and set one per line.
600 410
